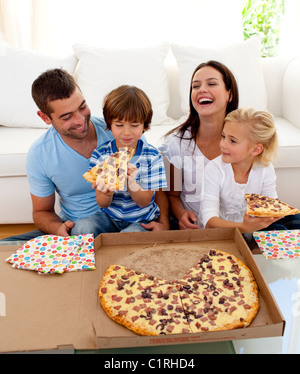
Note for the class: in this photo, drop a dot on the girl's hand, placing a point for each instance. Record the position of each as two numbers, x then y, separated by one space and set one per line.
251 223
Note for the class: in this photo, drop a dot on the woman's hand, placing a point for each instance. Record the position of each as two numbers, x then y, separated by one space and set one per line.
188 221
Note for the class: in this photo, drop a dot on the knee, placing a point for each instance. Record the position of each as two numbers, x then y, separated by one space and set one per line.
84 226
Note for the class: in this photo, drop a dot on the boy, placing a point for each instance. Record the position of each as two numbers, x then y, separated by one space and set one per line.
128 112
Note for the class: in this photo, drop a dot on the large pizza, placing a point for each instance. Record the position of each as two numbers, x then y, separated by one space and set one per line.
218 293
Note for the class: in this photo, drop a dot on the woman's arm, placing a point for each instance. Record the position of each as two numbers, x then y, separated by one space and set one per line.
186 218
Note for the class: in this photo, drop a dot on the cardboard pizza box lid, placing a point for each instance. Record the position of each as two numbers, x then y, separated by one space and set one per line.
41 312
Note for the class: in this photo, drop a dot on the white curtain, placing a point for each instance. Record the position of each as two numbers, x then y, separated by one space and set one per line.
23 23
55 25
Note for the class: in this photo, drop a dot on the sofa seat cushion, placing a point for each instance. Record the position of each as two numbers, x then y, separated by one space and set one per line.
289 144
14 145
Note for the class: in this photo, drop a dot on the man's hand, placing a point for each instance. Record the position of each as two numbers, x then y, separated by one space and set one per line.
65 228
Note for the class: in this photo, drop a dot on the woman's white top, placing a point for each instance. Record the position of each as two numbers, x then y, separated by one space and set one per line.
225 198
187 157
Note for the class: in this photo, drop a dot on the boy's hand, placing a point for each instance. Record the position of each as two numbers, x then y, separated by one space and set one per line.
131 176
132 171
104 188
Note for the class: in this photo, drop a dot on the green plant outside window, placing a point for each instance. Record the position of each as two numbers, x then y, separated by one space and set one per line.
263 18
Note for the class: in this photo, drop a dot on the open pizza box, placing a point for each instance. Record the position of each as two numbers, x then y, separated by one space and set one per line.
49 312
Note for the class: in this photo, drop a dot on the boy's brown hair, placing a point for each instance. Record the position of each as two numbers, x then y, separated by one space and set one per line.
54 84
127 103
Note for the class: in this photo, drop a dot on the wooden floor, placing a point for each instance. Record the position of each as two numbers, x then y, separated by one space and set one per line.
9 230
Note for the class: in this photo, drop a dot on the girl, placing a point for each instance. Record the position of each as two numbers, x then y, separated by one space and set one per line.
248 146
189 147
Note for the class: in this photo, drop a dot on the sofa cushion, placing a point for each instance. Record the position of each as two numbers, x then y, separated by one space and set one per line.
101 70
291 92
15 143
18 69
289 144
243 59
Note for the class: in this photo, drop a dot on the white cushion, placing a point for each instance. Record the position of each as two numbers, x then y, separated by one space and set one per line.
291 92
289 144
14 146
244 61
101 70
18 69
155 135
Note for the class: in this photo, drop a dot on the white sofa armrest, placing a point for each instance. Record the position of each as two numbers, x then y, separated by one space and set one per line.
273 70
291 92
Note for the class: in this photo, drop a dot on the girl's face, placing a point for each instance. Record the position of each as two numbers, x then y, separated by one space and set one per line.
209 94
126 134
235 144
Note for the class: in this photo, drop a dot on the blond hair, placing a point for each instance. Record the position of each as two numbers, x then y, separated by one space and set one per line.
261 131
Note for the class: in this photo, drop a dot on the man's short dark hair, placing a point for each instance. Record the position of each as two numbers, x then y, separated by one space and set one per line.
53 84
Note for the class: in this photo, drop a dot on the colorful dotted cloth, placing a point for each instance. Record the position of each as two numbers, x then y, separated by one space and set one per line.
281 244
55 254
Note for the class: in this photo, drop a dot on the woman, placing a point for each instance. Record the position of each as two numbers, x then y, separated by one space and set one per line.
189 147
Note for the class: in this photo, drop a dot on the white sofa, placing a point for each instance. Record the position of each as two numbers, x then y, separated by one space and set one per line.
164 72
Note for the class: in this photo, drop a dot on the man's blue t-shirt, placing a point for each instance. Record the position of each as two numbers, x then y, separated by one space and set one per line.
54 166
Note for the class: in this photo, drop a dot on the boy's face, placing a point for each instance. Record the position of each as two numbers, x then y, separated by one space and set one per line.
126 133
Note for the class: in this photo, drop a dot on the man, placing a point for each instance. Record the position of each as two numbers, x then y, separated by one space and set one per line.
59 158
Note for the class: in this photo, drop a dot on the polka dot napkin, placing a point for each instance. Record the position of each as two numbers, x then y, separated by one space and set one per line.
55 254
281 244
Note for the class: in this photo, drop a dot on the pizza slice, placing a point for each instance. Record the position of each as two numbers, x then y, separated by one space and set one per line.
264 206
219 293
113 170
145 304
163 313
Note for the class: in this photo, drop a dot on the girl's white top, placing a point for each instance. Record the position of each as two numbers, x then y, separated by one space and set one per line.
225 198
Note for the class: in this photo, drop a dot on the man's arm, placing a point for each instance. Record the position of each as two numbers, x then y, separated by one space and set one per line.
46 219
